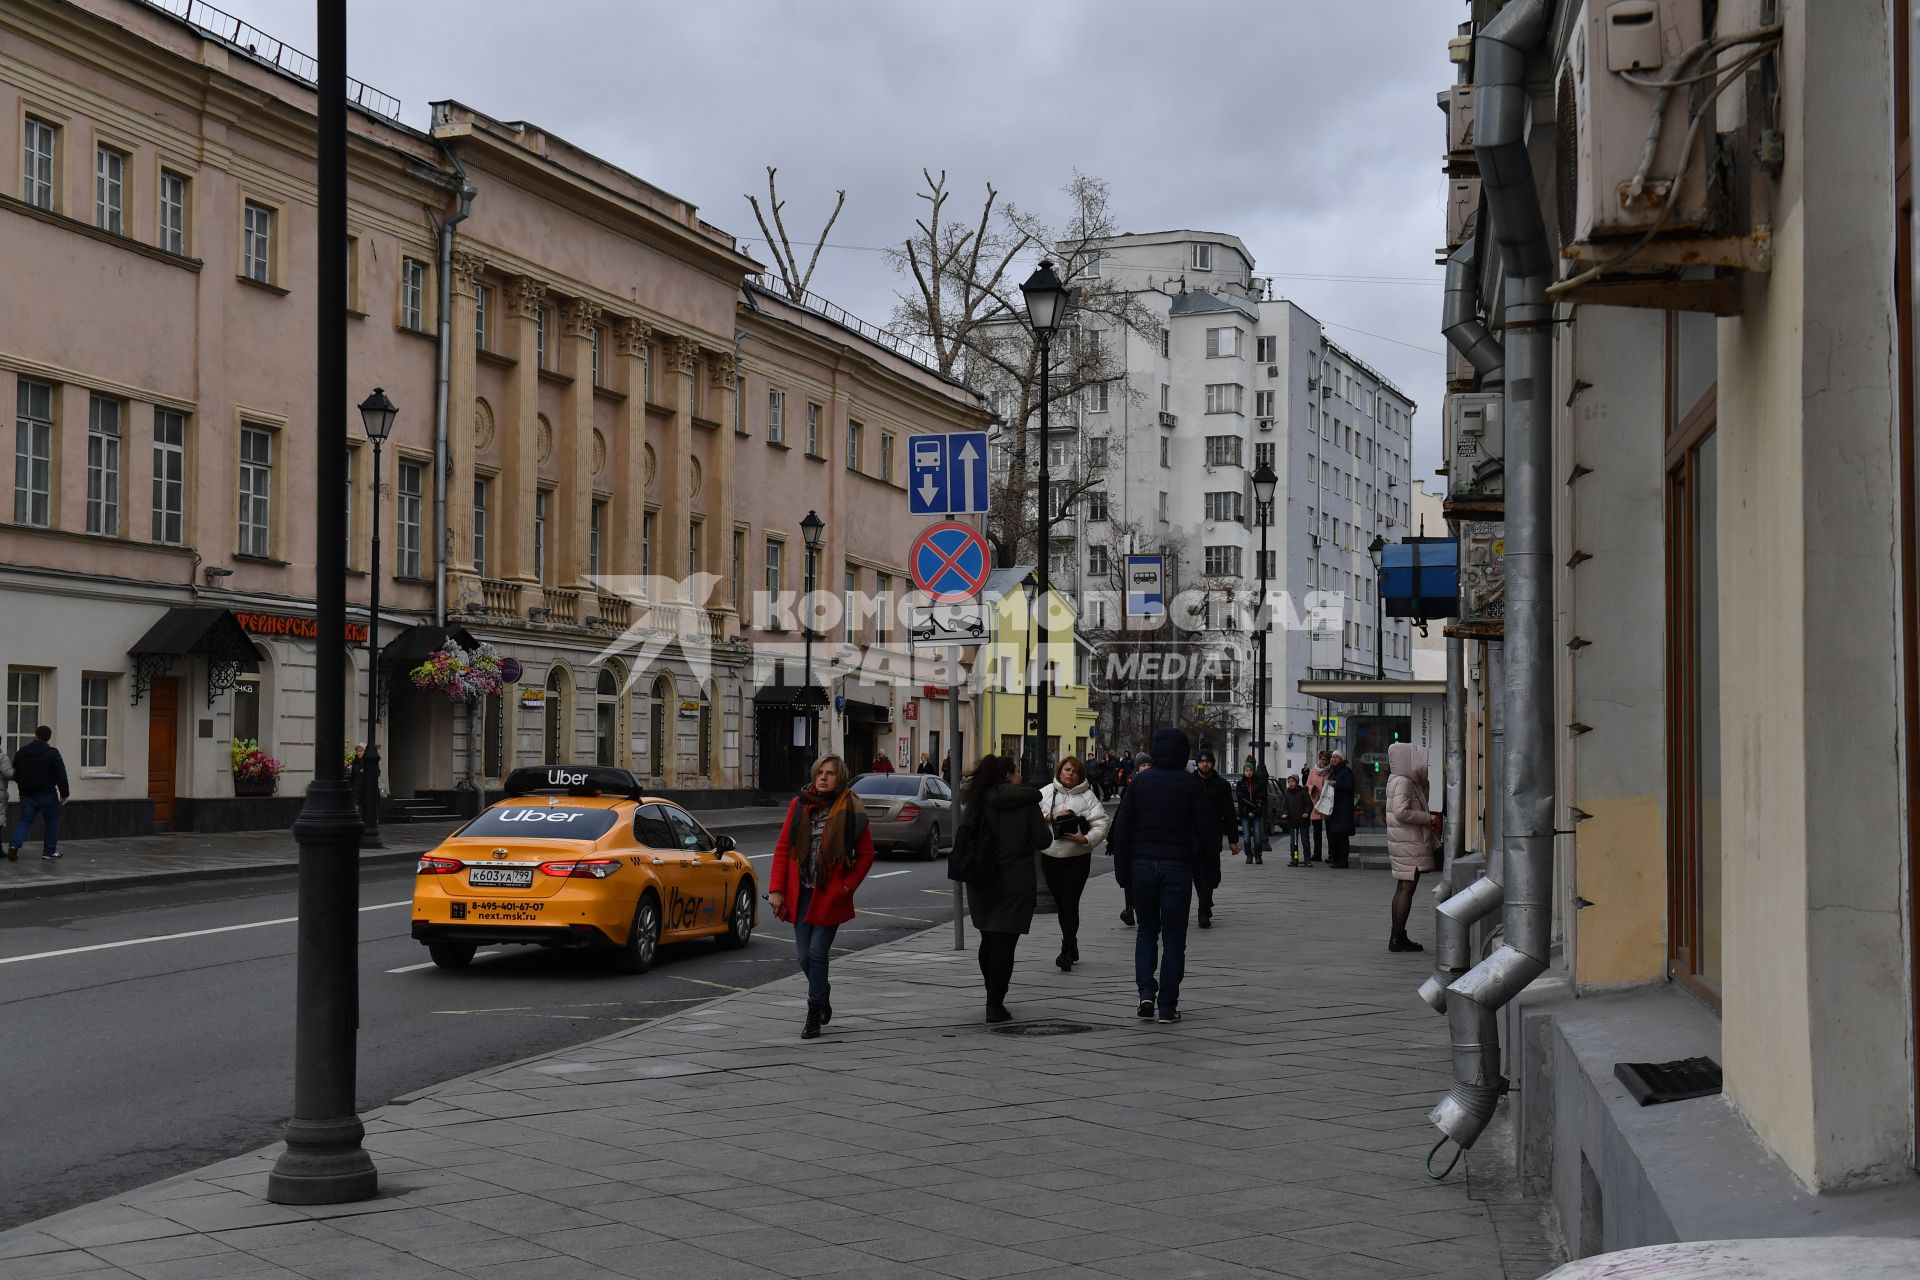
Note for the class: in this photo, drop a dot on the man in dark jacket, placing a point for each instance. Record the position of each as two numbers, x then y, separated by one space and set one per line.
1226 826
1340 823
1162 831
1297 807
41 775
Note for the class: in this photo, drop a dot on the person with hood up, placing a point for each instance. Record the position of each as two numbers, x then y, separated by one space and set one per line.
1412 835
824 851
1079 822
1003 911
1139 764
1226 826
1341 823
1163 829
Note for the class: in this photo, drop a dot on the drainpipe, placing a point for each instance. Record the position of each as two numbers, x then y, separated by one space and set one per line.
1460 321
1500 113
444 360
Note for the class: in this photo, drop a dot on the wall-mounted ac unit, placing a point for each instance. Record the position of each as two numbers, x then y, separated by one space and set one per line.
1476 439
1460 121
1604 110
1273 371
1313 383
1463 210
1266 424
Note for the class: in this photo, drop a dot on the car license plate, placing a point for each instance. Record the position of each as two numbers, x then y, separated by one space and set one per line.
501 877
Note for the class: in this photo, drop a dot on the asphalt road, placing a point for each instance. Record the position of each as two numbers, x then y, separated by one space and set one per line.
147 1032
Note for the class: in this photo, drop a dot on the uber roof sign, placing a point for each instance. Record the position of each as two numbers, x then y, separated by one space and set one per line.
583 779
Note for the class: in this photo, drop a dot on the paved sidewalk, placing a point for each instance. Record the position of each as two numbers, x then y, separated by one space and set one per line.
128 861
1277 1131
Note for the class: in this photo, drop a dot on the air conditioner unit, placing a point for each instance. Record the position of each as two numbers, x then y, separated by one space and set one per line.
1273 371
1313 383
1463 210
1266 424
1460 121
1476 437
1604 111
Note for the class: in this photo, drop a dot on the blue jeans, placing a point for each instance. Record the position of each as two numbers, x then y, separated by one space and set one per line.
1162 891
813 943
48 807
1252 835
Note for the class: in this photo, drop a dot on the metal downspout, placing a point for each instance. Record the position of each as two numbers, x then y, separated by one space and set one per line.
442 375
1460 321
1500 112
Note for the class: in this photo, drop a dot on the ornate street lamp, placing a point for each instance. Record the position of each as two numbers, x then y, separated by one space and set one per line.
1264 483
1028 590
1378 545
376 415
1046 300
812 529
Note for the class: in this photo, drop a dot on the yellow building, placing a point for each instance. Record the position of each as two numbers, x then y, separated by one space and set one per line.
1016 649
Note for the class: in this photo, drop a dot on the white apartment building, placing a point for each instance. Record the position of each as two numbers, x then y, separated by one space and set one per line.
1234 377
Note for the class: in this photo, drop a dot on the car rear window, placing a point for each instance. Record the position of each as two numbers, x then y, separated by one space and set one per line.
541 822
887 784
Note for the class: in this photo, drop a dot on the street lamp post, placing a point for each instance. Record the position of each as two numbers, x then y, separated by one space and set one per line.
1264 482
1027 592
376 414
1378 545
1046 301
811 528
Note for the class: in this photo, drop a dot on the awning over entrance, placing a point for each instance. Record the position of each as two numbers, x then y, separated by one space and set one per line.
868 712
780 694
193 631
412 645
1373 690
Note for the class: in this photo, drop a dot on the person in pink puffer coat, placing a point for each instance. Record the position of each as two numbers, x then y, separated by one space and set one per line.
1412 837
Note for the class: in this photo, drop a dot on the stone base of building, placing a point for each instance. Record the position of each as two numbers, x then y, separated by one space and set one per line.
1622 1176
95 819
236 813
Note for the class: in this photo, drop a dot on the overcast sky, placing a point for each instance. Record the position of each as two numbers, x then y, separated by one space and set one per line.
1305 127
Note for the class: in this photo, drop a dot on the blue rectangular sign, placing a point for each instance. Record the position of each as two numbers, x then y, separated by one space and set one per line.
1146 595
947 474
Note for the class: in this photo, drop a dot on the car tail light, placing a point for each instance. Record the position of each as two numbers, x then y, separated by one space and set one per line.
593 869
432 866
908 812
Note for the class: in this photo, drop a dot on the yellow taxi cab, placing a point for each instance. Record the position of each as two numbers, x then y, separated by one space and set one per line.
578 856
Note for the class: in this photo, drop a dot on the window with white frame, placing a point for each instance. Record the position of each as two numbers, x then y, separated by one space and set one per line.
1091 266
540 338
1263 455
1099 561
103 466
882 607
693 547
1163 506
256 242
596 523
170 477
775 552
173 212
482 500
1062 497
1263 402
540 501
1224 342
856 433
96 714
1096 453
647 521
1166 451
1166 342
1223 451
33 455
813 429
1224 397
410 485
1223 562
810 574
593 337
482 304
1266 350
109 190
1224 505
998 458
37 147
1059 455
1269 565
850 606
1097 398
256 491
26 690
1203 257
413 294
776 416
739 583
886 456
1097 504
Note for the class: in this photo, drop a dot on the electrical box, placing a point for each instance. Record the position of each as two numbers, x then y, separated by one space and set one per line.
1606 100
1460 121
1476 443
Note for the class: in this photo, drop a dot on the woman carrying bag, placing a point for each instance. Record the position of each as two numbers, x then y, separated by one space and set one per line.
825 850
1002 909
1078 821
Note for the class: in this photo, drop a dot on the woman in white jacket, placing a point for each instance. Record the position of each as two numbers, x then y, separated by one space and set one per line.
1079 823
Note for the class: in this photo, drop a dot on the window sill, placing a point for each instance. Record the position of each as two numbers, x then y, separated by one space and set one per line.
654 406
51 218
101 775
69 535
266 560
412 580
555 377
412 332
484 356
355 314
816 457
781 445
609 394
708 424
263 285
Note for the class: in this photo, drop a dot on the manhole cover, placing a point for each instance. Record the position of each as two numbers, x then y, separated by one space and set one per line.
1043 1029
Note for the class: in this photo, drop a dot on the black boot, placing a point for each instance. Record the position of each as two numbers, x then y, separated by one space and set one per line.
1064 959
826 1010
812 1030
1399 941
1073 952
997 1012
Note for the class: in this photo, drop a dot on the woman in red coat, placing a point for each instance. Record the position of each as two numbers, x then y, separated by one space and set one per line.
825 850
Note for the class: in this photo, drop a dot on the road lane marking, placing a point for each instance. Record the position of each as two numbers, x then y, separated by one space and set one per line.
755 857
884 874
867 911
174 937
409 968
702 982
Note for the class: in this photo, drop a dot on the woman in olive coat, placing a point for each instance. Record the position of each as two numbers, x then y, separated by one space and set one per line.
1003 911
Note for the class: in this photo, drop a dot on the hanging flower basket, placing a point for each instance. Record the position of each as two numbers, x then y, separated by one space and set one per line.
462 674
255 773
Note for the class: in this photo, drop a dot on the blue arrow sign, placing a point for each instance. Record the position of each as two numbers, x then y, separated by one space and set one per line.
947 474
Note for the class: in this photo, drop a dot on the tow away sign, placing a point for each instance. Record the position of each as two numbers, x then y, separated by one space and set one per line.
943 626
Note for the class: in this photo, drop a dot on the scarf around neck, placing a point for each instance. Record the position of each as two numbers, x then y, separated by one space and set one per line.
836 852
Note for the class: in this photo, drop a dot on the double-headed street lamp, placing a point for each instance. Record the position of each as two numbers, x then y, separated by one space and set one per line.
1027 755
1264 482
1046 303
1378 545
376 415
811 529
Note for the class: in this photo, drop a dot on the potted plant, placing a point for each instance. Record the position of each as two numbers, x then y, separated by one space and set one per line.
255 773
463 674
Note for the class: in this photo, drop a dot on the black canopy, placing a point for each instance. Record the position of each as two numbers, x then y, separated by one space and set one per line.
193 631
411 646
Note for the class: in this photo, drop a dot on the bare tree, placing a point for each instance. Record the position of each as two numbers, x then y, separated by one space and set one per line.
785 261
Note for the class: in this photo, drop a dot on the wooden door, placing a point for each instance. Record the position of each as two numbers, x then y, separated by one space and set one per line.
163 747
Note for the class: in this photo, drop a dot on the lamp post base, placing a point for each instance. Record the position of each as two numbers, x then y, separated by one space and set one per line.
370 799
324 1163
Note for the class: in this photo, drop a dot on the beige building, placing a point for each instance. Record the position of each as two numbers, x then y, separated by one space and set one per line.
1691 721
600 504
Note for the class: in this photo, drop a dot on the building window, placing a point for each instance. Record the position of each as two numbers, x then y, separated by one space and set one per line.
170 477
1223 342
1166 398
1058 456
256 243
1090 267
1269 565
1096 453
33 455
998 458
775 548
413 294
813 429
481 501
482 303
851 606
693 547
406 560
1263 404
593 336
540 337
1224 505
1099 561
1166 451
96 706
737 586
1097 398
810 572
103 467
1166 343
776 416
1223 397
886 456
646 545
1097 504
596 521
855 433
882 607
37 163
173 212
1203 257
25 688
1223 562
1163 506
109 190
1223 451
540 535
256 491
1266 350
1263 456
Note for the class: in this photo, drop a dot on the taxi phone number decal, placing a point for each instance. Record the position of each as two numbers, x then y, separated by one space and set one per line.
503 912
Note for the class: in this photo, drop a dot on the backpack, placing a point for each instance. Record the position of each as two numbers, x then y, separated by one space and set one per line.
974 857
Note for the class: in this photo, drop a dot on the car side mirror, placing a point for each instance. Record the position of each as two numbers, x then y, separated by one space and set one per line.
724 844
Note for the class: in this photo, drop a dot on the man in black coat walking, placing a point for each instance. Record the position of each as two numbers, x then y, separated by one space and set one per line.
1225 814
41 776
1340 823
1161 833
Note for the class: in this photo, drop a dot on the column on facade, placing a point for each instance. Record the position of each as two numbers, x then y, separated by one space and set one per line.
675 460
629 449
462 593
723 370
573 445
519 428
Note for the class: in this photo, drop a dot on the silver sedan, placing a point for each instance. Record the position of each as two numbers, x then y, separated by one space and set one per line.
912 811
